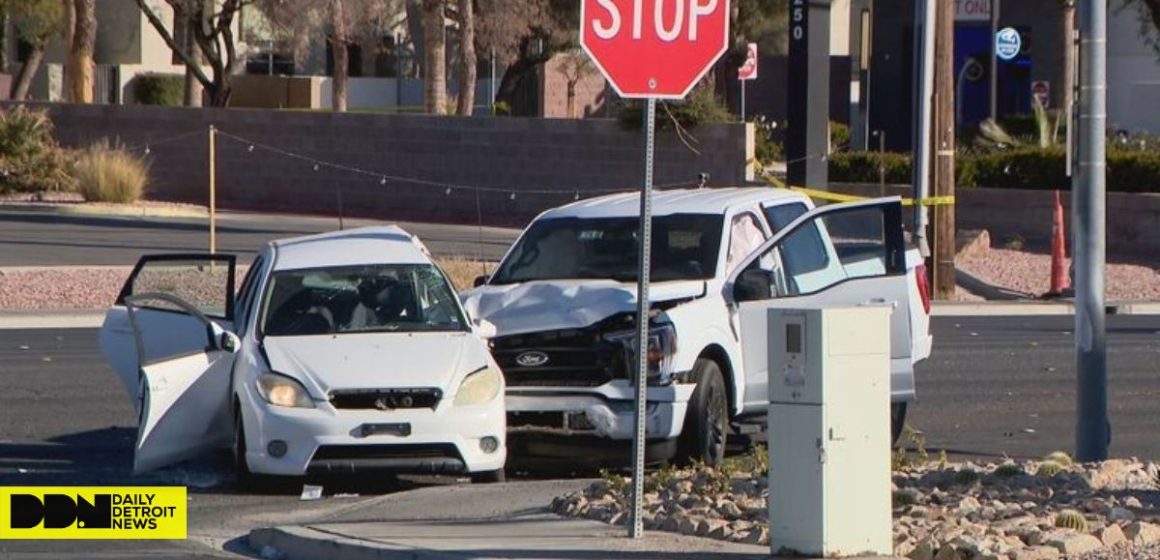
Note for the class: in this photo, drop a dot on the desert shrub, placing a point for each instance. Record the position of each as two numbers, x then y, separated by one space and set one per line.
767 146
110 173
159 89
1060 457
966 477
1048 469
30 159
864 167
1008 470
839 136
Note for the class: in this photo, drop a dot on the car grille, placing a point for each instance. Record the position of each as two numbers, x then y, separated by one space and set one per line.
576 358
386 399
391 451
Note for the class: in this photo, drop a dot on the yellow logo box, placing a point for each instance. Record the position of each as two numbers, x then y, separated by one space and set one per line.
93 512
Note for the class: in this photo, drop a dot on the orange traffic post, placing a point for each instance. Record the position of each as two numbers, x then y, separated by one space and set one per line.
1059 280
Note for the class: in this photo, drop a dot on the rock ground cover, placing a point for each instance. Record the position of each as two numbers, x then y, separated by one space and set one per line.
1012 510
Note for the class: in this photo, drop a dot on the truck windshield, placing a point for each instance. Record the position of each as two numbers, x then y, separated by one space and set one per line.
684 247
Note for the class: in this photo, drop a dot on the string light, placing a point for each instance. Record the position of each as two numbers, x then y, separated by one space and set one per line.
316 167
250 149
448 191
147 150
512 197
382 180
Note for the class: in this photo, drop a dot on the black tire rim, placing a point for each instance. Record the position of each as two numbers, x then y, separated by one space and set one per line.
716 419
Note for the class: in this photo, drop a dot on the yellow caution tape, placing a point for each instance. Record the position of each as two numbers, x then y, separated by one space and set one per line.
839 197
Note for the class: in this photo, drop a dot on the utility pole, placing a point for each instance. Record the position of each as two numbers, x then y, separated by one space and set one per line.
924 12
1092 431
944 167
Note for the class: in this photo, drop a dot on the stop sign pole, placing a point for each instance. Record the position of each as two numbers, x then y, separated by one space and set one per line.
650 49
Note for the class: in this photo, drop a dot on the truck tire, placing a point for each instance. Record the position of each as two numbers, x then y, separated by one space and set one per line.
897 421
707 418
488 477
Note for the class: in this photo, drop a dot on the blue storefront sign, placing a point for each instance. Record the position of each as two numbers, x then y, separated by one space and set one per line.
1008 43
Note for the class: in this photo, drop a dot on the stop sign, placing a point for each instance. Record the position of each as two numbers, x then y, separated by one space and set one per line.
654 48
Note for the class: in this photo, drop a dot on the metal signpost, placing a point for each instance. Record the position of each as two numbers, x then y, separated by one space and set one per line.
651 49
748 71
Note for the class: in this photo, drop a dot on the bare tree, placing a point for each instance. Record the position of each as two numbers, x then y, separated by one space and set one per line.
78 69
434 57
211 26
36 23
298 22
574 66
524 34
467 60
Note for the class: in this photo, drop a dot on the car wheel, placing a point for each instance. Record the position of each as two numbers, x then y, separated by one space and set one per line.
897 421
488 477
241 467
707 419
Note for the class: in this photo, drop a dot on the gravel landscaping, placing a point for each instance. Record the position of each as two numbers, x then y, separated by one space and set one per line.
1030 273
1011 510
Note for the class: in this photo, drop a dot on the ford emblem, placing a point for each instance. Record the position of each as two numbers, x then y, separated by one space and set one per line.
534 358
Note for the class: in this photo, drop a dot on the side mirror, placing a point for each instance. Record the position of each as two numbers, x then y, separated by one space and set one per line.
225 340
229 342
484 328
479 281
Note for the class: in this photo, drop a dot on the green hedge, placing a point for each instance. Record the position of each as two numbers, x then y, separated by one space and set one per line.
159 89
1027 168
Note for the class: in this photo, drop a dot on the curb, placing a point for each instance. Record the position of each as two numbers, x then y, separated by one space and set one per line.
304 543
67 319
81 209
1031 308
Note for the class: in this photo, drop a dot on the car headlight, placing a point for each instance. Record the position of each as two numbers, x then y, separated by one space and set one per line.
662 346
280 390
479 387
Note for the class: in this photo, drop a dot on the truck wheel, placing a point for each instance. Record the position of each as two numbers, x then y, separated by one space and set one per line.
897 421
707 419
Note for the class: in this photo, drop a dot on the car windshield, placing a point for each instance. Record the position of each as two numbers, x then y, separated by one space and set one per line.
684 247
353 299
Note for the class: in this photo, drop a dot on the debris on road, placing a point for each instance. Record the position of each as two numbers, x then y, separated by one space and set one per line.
311 492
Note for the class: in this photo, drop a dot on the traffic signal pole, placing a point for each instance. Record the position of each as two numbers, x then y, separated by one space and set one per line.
1093 432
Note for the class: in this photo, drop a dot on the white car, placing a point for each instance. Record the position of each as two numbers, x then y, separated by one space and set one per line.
563 301
341 352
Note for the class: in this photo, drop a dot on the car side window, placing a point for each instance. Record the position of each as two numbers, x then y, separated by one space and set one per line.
246 294
802 262
745 236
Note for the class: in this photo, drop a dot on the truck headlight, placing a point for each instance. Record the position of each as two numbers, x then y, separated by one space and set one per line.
281 390
479 387
662 346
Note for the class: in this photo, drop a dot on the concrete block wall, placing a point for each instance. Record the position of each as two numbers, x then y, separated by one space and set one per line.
1133 219
515 156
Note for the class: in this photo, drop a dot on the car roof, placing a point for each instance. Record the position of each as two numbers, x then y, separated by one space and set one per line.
677 201
360 246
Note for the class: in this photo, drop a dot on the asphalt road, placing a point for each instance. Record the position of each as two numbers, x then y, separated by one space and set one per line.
994 386
44 239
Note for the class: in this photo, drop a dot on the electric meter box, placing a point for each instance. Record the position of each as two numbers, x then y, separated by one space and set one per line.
829 431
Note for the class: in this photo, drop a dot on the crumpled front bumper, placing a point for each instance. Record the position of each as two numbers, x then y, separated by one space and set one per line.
606 411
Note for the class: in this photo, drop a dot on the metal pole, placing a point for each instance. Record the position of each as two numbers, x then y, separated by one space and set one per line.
636 527
922 137
743 100
212 189
1092 432
491 82
994 67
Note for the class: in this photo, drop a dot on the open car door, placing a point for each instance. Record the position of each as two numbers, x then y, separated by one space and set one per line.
184 398
839 254
204 282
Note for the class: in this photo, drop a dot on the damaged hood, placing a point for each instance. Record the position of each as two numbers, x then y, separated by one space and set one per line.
565 304
377 360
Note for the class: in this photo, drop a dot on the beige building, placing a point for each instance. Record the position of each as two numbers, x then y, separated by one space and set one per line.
127 46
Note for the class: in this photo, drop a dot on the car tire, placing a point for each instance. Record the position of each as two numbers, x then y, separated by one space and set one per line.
245 477
706 425
488 477
897 421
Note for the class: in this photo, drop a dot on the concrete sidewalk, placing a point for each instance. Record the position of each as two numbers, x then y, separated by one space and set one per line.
540 535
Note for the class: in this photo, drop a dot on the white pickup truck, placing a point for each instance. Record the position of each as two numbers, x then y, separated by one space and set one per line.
563 301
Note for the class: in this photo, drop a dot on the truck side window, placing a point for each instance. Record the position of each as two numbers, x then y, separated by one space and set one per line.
809 264
784 214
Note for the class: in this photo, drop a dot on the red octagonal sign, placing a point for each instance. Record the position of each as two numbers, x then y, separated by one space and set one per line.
654 48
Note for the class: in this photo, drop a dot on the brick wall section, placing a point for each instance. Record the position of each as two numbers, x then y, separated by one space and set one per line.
1133 219
513 154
